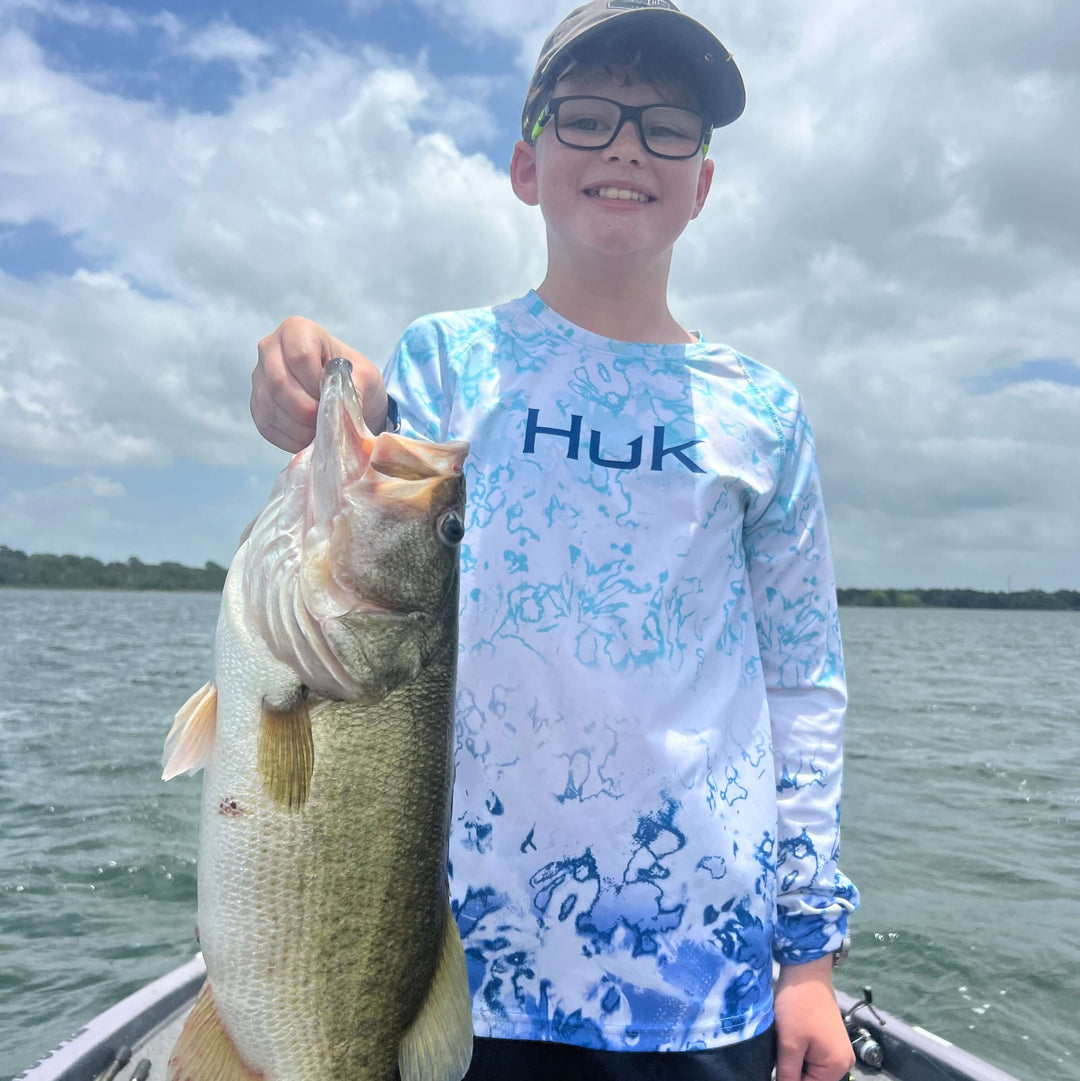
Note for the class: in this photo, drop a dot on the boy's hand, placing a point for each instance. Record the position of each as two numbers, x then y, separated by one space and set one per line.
811 1041
285 383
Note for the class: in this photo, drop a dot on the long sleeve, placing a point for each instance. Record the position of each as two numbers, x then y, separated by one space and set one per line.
649 675
794 593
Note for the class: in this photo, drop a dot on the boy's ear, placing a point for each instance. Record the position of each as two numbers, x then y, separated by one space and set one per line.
704 183
523 173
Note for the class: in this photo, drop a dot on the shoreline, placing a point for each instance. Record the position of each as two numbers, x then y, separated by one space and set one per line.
18 570
1037 600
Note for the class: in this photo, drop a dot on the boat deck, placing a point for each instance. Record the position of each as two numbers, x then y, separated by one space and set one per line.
149 1021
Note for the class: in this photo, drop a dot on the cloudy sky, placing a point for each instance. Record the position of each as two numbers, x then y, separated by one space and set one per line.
895 225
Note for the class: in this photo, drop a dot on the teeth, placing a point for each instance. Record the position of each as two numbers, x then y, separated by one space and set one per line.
621 193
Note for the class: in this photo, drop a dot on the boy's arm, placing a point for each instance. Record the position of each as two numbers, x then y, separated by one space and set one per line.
285 383
793 586
811 1040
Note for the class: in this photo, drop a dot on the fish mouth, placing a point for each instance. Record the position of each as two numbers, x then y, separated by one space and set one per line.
346 454
396 456
323 553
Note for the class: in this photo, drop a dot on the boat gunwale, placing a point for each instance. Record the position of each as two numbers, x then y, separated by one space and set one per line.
911 1053
915 1054
130 1021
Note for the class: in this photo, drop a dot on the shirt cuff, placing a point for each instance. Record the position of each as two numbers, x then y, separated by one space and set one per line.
813 926
393 417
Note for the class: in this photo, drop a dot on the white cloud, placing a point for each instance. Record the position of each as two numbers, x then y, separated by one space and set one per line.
526 25
224 40
97 16
890 219
312 194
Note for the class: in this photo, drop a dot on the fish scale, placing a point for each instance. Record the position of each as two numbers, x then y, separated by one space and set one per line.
327 871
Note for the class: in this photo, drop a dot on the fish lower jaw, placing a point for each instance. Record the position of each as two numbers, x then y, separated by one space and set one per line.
622 194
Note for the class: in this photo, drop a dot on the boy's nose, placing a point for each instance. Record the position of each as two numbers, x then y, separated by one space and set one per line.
627 144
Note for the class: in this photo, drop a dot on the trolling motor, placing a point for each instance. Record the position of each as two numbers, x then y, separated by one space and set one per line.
867 1050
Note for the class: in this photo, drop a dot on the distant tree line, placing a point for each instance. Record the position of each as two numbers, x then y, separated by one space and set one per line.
84 572
1062 600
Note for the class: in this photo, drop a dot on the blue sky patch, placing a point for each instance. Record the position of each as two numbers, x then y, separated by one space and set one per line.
143 53
138 63
1044 369
27 251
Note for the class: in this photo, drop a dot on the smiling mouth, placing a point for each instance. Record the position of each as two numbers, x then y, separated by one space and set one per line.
627 194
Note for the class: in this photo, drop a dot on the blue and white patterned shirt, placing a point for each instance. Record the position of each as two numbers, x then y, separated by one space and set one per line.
650 688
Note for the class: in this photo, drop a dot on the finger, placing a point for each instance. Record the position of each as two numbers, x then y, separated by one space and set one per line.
834 1072
789 1061
290 361
285 398
828 1068
275 374
289 440
279 425
304 351
366 377
285 432
371 390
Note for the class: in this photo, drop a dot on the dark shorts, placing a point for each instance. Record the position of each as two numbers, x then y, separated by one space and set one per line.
532 1060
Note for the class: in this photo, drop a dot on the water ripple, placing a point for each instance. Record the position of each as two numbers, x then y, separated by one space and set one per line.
960 816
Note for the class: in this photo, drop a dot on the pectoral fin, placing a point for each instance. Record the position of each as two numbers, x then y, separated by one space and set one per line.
286 754
437 1046
191 739
204 1050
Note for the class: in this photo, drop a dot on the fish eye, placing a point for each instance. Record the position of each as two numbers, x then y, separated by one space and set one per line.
450 528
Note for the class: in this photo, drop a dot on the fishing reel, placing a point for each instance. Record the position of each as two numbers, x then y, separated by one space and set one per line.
867 1049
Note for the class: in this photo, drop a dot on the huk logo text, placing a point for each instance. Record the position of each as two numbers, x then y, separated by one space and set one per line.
572 435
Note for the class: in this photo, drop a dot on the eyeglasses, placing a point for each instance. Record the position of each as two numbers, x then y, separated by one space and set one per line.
591 123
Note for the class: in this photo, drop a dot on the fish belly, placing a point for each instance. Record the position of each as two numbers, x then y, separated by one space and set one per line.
321 926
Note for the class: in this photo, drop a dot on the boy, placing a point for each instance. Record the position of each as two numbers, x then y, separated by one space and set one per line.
650 693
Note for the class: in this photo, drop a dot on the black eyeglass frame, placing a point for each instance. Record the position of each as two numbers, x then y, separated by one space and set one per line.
632 113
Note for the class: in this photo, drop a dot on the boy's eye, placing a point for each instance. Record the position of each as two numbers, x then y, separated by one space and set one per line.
669 124
586 123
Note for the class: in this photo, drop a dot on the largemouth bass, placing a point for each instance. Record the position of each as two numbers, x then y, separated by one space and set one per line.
327 740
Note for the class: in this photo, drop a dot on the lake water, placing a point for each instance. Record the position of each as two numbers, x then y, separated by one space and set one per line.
961 817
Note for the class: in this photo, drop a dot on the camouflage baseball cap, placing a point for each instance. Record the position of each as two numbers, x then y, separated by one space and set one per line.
725 96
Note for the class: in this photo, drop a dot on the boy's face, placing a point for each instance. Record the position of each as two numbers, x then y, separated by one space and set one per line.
576 189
